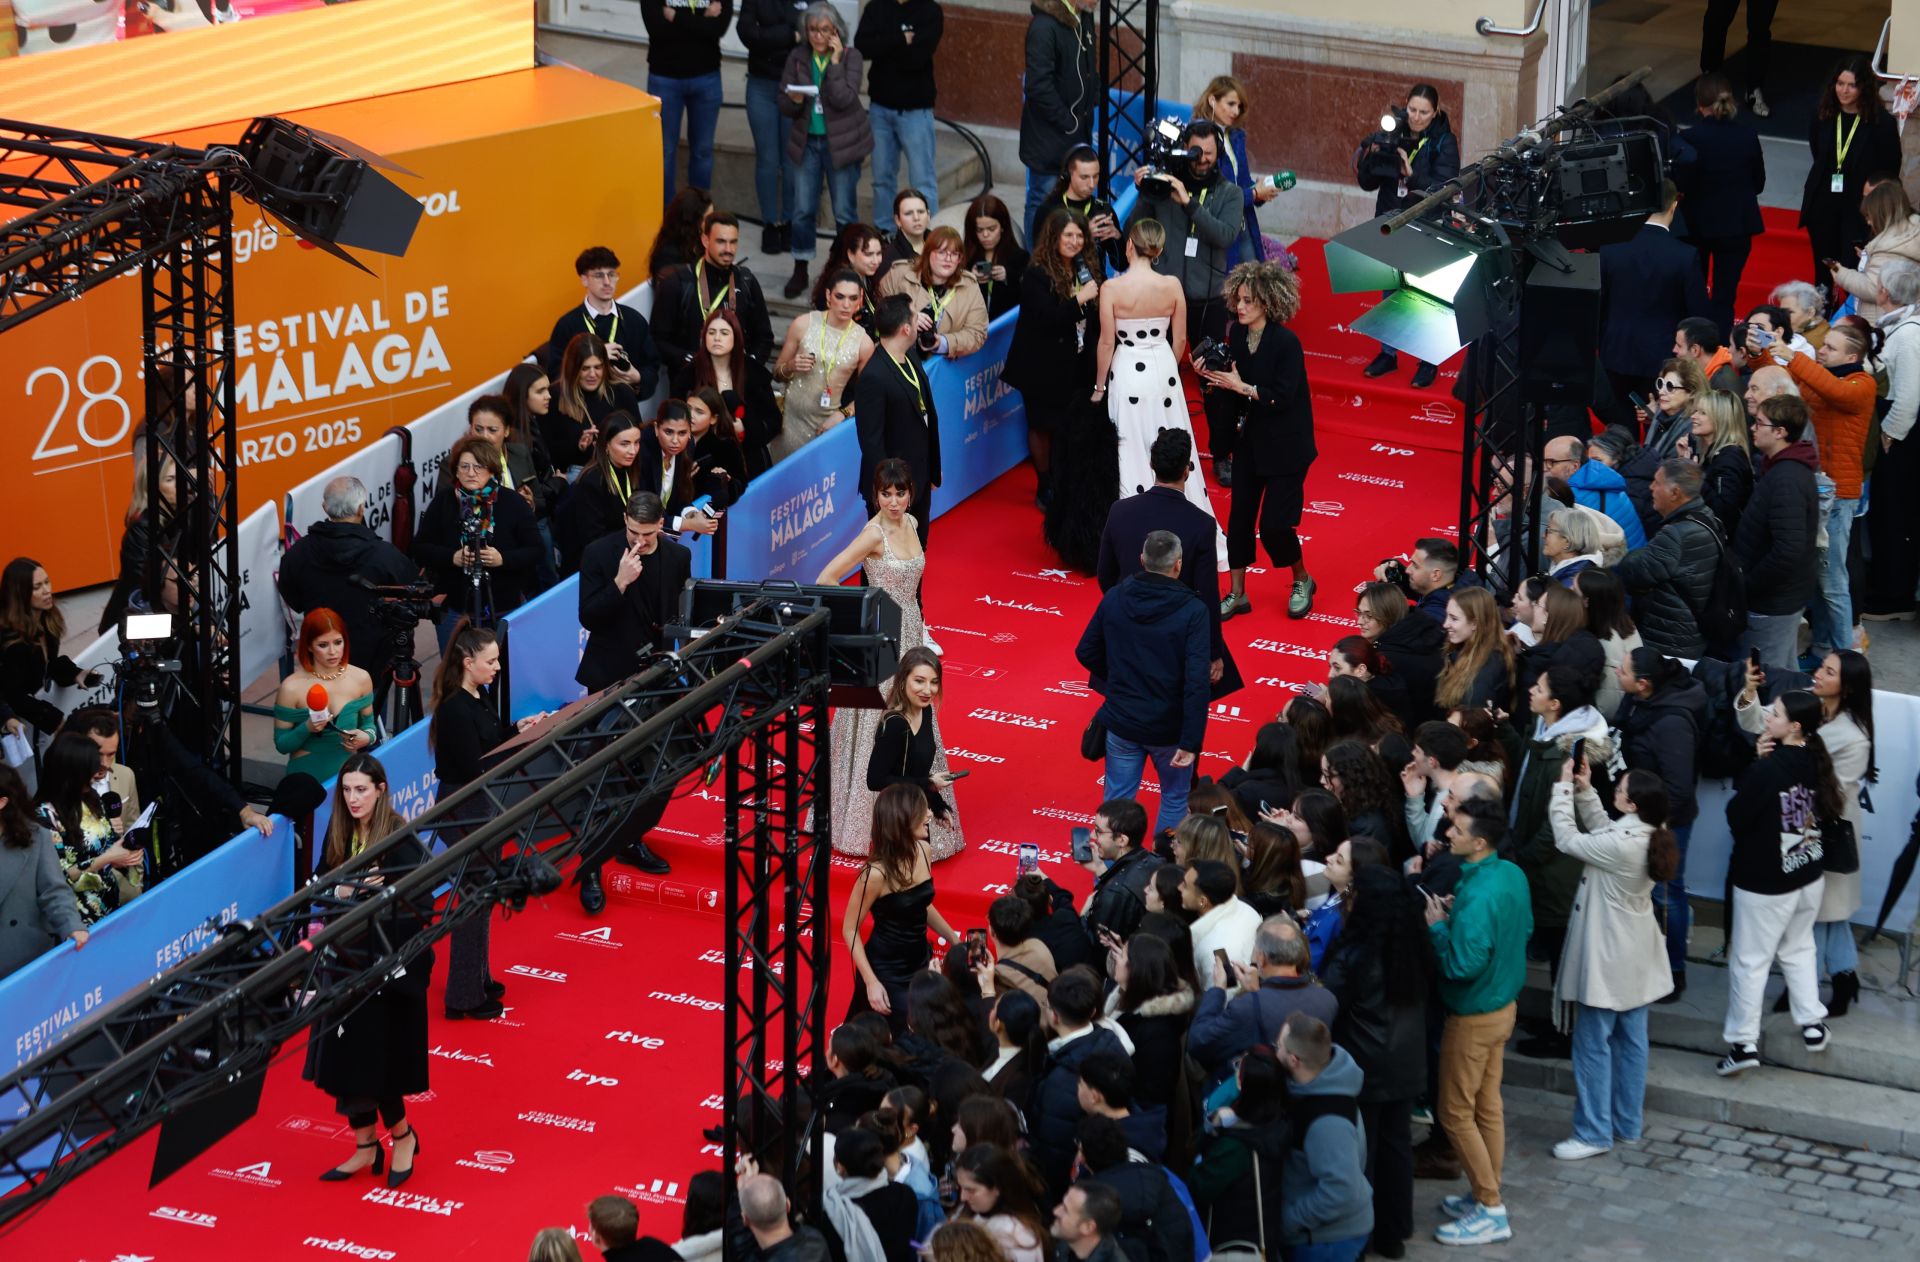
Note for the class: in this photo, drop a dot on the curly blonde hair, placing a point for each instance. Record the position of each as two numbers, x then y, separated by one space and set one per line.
1276 289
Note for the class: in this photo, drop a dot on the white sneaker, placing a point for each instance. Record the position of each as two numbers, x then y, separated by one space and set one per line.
1458 1206
1482 1226
933 647
1740 1057
1578 1150
1758 104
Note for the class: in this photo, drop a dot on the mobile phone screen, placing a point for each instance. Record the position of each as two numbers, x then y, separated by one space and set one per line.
1029 859
1081 842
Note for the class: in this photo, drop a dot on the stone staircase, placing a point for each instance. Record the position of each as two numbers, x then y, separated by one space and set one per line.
1862 1092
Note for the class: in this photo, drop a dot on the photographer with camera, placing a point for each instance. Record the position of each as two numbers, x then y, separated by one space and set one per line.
950 312
1078 190
631 358
330 566
1183 191
1400 164
1427 578
477 542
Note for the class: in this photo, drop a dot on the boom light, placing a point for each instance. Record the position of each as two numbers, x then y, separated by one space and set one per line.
1436 280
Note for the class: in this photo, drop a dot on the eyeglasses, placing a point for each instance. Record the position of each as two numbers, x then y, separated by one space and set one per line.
1662 385
467 466
1554 530
603 274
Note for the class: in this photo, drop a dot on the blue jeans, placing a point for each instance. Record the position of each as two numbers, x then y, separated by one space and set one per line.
1670 900
893 131
1127 762
1328 1250
699 98
1832 611
1609 1073
1039 184
1777 636
816 168
1834 949
772 173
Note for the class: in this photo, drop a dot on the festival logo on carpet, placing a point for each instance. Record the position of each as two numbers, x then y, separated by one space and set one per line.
258 1175
339 1245
491 1160
539 974
600 937
1012 720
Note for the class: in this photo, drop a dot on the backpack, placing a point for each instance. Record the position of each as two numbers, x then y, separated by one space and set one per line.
1722 750
1724 618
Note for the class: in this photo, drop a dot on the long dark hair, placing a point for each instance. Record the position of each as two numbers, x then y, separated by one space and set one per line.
16 821
1606 598
1326 821
1046 249
66 781
1656 668
1263 1088
937 1013
706 1208
1276 756
1804 709
340 827
910 661
1273 864
1867 96
852 239
680 227
1165 880
1364 782
1009 1174
1386 925
703 373
1150 972
896 813
988 1119
520 382
17 614
599 470
1648 793
986 206
1483 739
1172 930
463 646
1357 714
1856 701
1313 732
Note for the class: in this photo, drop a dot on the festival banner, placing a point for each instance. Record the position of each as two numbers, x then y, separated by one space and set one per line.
544 643
43 1002
983 430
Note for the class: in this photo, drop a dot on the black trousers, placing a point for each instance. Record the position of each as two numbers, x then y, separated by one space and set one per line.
1273 505
1713 37
1834 231
1389 1126
361 1111
1208 318
1724 258
1893 529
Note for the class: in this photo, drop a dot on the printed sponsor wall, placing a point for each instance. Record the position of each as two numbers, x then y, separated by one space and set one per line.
41 1003
330 357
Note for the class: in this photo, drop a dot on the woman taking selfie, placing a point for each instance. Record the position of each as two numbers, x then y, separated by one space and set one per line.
895 888
377 1056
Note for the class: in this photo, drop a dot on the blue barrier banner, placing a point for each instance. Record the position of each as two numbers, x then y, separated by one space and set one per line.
795 517
983 424
544 643
45 1001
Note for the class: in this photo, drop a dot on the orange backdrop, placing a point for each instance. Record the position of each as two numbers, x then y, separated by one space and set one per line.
517 172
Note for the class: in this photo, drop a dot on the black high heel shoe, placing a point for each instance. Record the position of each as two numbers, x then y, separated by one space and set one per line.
337 1175
397 1176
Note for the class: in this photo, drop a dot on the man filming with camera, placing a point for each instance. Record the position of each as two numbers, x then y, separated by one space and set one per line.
331 565
1202 212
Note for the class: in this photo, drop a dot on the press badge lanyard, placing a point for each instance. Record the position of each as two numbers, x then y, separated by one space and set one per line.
913 379
939 305
1840 147
700 280
826 372
820 65
593 327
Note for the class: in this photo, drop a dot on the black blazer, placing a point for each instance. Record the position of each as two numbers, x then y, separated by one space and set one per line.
713 456
647 474
619 624
887 416
515 534
1722 184
1873 149
588 510
561 432
635 338
1046 362
1276 428
1132 519
1648 285
465 728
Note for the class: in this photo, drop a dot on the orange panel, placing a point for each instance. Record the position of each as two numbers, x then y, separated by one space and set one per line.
274 65
518 173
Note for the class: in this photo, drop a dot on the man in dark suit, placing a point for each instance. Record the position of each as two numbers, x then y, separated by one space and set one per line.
630 583
894 412
1164 506
1648 285
625 331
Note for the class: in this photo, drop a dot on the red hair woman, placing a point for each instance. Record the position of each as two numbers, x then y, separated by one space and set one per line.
318 739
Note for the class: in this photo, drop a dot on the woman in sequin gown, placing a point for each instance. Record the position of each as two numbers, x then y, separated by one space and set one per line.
822 352
889 548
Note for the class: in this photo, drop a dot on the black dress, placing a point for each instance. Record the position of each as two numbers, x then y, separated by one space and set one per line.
465 727
903 756
378 1052
897 949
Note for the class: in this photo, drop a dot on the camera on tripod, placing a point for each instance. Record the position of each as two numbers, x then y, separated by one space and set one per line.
1169 158
143 665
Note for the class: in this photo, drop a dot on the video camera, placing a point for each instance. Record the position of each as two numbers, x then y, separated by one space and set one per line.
1169 158
1378 160
142 665
399 606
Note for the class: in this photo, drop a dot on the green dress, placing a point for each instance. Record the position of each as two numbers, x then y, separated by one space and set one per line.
321 754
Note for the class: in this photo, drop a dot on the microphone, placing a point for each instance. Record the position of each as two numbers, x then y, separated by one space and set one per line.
111 806
318 711
1081 273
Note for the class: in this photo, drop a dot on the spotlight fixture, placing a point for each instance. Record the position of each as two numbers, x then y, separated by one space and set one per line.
325 190
1437 280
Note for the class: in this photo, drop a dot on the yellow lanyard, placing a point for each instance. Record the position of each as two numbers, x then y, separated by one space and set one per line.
821 353
706 310
939 305
913 379
613 334
1840 147
1202 199
1411 157
820 65
506 475
622 486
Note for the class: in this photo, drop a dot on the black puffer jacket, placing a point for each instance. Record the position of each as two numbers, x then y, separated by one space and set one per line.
1671 578
1777 533
1054 1107
1417 648
771 29
1063 85
1389 1043
1661 734
1581 650
1120 894
1436 161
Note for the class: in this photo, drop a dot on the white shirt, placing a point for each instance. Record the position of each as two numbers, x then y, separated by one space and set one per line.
1229 927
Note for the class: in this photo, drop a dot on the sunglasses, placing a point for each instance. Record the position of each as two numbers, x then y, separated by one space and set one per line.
1662 385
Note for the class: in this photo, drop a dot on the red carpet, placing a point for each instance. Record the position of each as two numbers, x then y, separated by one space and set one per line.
609 1061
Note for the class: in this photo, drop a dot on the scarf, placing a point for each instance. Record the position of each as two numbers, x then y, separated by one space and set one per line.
476 510
850 1222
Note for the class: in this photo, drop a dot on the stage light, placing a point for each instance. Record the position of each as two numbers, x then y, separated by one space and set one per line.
325 190
1435 278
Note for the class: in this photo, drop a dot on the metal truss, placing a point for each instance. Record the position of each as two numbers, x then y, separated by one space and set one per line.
214 1022
1501 479
1129 60
92 208
779 946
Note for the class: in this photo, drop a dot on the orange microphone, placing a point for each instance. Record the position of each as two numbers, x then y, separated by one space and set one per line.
318 707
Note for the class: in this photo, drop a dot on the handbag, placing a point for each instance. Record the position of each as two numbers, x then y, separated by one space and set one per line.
1841 846
1093 741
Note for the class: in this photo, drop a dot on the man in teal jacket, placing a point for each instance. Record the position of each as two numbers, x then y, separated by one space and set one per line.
1480 934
